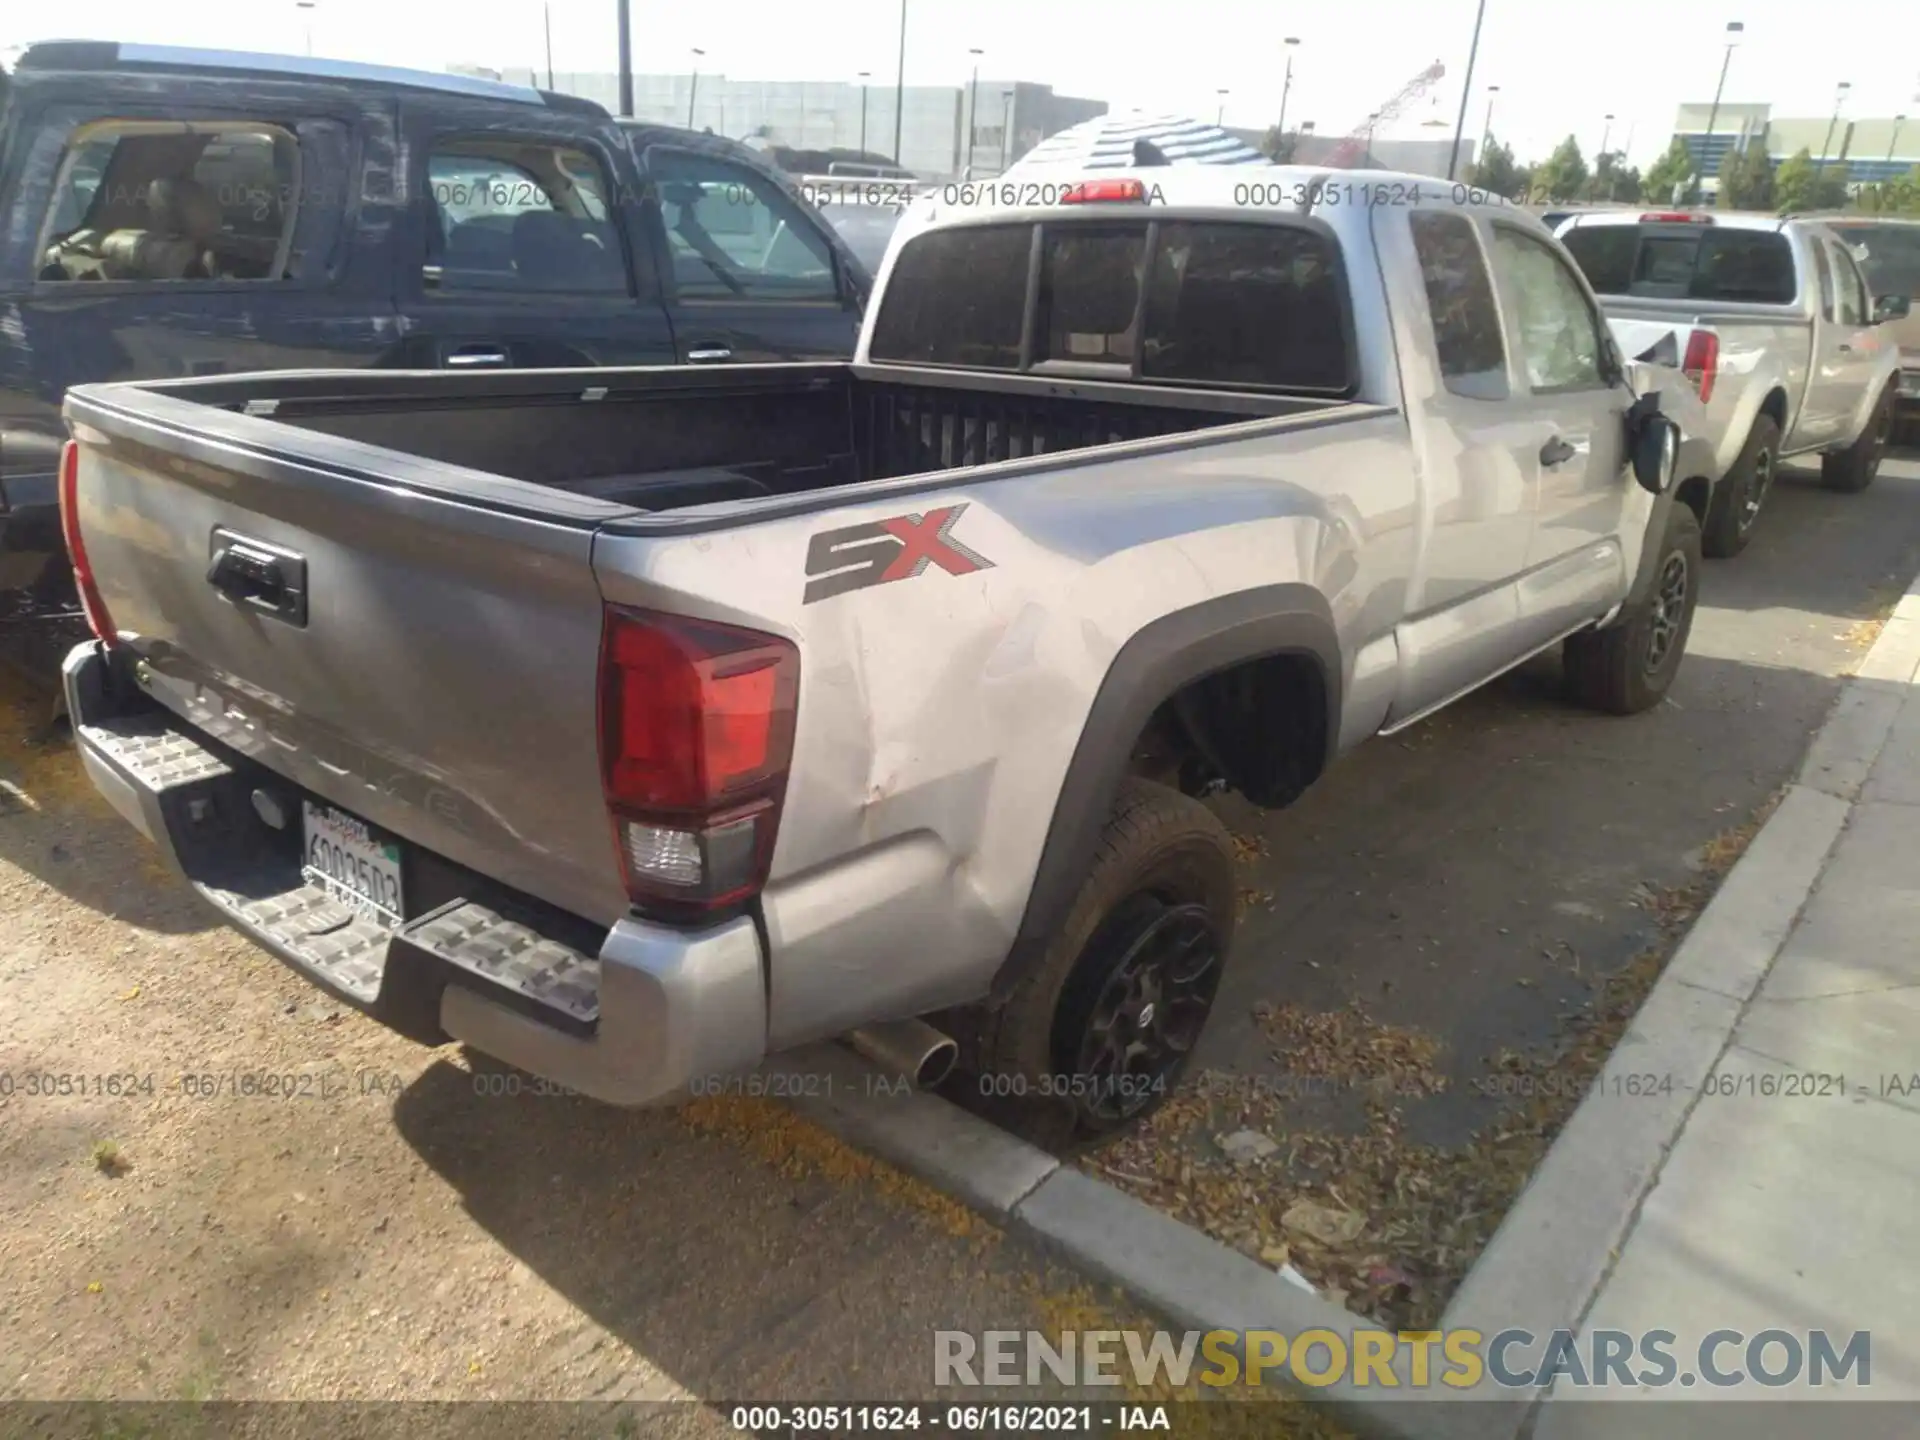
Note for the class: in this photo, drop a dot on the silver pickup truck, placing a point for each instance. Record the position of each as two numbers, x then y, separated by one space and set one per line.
632 725
1778 330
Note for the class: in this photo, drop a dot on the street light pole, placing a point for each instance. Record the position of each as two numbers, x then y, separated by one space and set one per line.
1292 42
307 5
1466 89
865 76
1735 29
1006 127
693 91
1898 121
626 57
1486 131
973 107
900 84
1839 99
1372 121
1220 115
1600 158
546 12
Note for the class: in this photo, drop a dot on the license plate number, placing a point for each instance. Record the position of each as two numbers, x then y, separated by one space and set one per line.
350 862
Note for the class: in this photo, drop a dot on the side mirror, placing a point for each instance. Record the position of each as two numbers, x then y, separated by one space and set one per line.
1656 453
1891 307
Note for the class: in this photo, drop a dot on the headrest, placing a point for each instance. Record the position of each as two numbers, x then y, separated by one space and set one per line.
181 206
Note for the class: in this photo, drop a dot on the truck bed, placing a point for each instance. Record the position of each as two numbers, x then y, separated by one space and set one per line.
663 439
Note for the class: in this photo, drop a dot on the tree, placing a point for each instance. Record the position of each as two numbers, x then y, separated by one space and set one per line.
1800 184
1495 171
1612 181
1900 196
1746 179
1564 175
1671 176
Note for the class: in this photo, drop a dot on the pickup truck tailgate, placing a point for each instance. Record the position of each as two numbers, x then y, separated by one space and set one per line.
421 655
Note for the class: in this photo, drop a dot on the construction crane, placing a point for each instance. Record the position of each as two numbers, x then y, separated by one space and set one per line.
1360 142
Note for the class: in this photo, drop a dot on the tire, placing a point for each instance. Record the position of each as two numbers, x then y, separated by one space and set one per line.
1852 469
1740 494
1615 669
1162 879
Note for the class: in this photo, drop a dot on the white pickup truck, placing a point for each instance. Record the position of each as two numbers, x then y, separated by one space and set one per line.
1773 321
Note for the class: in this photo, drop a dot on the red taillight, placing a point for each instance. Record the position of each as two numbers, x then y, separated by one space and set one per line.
1675 217
1702 362
1095 192
696 733
98 620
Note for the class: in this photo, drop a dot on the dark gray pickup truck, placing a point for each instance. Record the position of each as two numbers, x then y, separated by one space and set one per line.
173 213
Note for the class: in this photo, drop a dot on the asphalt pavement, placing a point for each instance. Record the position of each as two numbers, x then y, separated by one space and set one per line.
1472 879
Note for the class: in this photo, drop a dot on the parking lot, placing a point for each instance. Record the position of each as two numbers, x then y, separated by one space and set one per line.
219 1183
1441 941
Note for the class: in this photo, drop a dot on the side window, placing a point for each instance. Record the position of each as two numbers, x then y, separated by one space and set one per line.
1852 290
520 214
1559 332
174 202
1466 321
1828 311
733 234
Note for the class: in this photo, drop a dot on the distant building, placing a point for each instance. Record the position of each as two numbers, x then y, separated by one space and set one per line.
1015 115
1869 150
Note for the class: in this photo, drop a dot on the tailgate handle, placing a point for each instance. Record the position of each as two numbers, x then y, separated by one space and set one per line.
261 577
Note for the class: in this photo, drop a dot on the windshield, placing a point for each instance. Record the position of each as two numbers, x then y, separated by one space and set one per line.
1890 254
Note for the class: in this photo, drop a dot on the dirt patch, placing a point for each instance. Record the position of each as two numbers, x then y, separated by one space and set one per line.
221 1185
1310 1170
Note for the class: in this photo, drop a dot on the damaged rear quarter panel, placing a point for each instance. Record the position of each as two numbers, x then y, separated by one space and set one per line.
939 712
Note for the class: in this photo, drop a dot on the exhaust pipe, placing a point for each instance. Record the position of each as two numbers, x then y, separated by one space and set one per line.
908 1047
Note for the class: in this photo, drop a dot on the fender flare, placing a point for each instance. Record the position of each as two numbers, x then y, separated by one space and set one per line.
1150 668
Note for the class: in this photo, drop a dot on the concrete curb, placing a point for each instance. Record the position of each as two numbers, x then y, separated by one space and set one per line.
1185 1277
1553 1251
1555 1248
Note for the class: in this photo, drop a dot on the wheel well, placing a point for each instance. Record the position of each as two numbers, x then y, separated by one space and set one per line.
1693 493
1776 405
1258 727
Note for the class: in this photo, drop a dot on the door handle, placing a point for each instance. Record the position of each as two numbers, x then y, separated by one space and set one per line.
259 577
1557 452
1846 349
471 355
709 354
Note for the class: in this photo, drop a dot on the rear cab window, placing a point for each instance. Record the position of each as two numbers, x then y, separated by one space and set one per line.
176 202
1223 304
1664 260
1461 305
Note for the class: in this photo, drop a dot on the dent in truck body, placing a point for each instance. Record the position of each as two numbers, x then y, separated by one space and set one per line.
937 719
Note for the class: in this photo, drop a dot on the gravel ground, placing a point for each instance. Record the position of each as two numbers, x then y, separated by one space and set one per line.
221 1185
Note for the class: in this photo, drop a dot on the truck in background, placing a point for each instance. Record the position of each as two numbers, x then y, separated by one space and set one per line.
1792 348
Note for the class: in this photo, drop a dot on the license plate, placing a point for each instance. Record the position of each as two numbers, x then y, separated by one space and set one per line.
349 861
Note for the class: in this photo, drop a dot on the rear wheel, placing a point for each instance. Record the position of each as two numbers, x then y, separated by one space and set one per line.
1105 1024
1738 497
1629 666
1853 469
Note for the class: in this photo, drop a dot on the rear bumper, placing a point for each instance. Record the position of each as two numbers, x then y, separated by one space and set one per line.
632 1020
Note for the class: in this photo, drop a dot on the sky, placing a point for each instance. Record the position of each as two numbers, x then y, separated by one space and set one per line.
1561 65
